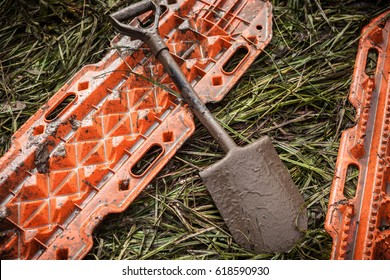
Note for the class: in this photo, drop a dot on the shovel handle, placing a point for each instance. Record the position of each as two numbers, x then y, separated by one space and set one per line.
134 10
143 33
158 47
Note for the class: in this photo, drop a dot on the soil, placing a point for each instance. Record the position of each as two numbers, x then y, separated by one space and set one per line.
42 157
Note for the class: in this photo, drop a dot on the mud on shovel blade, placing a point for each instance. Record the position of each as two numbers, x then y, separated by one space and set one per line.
251 187
257 198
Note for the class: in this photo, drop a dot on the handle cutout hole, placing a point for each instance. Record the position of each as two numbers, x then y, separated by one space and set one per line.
371 62
171 2
60 108
233 62
163 9
124 185
147 160
62 254
259 27
351 181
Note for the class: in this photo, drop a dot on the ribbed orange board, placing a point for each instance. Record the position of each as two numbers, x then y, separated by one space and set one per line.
66 170
360 226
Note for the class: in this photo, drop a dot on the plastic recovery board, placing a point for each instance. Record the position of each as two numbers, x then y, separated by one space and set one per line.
360 224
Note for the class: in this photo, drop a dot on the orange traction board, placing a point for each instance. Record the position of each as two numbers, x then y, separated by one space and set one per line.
360 224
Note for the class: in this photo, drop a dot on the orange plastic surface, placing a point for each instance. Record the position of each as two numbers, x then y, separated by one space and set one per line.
360 227
64 174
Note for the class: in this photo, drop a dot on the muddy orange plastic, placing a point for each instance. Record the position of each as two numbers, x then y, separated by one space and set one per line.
76 160
360 226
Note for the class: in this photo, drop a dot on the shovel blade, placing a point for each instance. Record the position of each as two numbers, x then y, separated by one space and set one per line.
257 198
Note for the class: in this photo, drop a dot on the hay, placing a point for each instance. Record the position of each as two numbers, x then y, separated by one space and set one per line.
296 92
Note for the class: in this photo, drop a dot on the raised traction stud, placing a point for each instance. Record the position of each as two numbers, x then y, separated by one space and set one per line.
360 226
81 156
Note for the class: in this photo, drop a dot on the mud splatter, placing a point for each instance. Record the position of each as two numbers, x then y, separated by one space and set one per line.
42 157
74 123
60 152
4 212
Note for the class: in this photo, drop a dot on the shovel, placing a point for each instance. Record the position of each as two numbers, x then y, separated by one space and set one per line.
250 186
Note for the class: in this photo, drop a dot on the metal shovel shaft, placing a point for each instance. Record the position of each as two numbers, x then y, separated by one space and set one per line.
198 108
